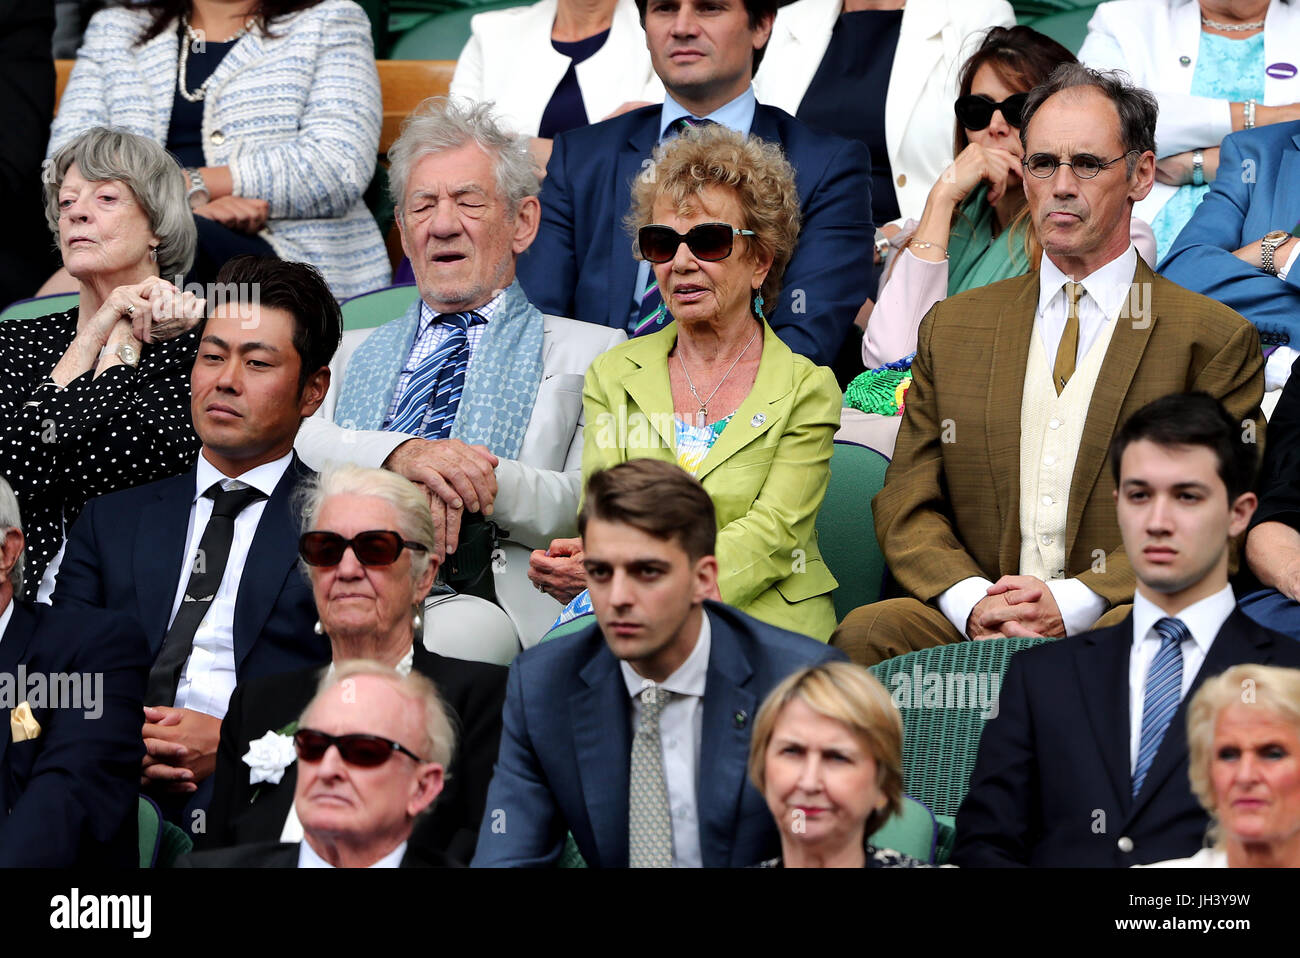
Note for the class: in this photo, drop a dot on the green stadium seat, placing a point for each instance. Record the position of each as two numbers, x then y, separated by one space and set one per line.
444 35
40 306
378 306
846 532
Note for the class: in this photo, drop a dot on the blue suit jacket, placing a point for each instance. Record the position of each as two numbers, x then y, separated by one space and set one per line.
126 551
581 264
1052 783
1257 190
70 794
566 748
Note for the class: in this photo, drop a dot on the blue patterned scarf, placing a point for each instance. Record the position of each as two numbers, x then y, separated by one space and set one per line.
500 388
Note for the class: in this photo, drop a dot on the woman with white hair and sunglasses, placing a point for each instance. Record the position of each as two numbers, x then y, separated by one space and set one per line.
370 549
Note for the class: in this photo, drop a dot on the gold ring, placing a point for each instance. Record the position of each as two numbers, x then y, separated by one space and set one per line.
130 309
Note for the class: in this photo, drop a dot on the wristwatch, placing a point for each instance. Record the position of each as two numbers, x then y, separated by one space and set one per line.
123 351
197 186
882 245
1198 168
1268 246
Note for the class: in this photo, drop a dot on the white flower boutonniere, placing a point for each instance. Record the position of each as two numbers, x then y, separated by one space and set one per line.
269 756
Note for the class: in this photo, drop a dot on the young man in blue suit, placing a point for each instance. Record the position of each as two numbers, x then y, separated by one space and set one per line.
632 735
207 562
1238 246
1086 761
70 754
705 52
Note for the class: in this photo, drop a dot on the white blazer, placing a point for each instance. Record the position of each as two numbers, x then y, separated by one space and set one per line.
509 60
935 39
1149 39
537 494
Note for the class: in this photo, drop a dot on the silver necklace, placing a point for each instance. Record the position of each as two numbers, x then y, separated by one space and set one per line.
192 37
1231 27
704 403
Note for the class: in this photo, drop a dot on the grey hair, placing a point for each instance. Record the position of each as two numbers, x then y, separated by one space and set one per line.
410 504
11 518
442 123
1137 108
439 743
148 170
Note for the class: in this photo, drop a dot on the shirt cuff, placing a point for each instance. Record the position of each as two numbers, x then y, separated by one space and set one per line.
1285 267
1080 606
1277 368
957 601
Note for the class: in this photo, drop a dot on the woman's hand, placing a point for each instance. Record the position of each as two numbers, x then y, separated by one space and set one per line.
1176 170
559 571
239 213
171 312
975 165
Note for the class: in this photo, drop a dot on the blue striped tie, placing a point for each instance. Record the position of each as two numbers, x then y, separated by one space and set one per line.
1163 693
428 407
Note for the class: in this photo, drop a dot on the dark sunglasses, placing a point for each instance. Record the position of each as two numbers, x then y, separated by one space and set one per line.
708 241
975 111
1085 165
363 751
377 547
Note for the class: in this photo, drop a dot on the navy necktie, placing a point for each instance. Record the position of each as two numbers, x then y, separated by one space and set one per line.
1164 690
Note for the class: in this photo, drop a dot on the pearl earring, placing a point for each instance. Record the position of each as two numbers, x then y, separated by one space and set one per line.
318 628
416 622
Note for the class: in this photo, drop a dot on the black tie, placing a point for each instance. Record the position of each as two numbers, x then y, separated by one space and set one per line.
205 579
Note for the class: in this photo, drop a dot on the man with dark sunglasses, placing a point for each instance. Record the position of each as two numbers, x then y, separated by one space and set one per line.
372 749
706 54
207 561
996 517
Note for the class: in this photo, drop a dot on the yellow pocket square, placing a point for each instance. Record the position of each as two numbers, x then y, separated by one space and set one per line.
22 724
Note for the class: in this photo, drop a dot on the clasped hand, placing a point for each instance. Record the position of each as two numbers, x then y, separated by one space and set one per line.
1016 605
180 748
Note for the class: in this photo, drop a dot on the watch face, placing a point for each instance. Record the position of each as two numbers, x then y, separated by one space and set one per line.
1275 236
128 354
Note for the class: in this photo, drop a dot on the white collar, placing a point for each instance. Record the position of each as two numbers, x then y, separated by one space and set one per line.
403 666
1109 285
263 478
1203 618
307 857
691 675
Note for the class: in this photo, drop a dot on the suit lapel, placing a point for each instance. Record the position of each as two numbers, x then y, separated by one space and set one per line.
1101 661
648 384
729 709
1002 414
603 743
271 557
158 571
1127 345
1287 201
624 267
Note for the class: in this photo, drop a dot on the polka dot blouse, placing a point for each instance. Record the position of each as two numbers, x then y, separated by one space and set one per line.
62 447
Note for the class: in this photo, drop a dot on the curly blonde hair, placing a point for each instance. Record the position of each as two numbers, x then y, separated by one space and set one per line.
754 171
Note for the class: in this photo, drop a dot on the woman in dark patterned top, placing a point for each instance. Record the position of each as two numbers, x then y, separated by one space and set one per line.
827 755
96 399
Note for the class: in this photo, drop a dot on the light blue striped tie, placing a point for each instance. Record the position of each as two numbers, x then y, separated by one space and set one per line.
1163 693
436 385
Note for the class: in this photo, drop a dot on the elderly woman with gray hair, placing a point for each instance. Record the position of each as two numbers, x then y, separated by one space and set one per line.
96 398
370 548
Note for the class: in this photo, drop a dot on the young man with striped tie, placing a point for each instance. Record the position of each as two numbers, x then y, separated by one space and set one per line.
1085 763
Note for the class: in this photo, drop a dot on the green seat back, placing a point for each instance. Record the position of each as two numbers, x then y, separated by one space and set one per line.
573 625
444 35
40 306
912 831
846 532
161 842
377 307
944 695
1069 28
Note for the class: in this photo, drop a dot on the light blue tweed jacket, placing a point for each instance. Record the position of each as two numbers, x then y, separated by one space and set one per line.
296 117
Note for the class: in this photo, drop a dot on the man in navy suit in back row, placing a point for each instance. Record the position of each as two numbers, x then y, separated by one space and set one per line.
705 52
633 734
207 562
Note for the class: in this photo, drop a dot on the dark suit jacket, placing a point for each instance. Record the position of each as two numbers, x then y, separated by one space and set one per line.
70 793
950 506
567 739
242 813
1052 786
126 552
285 855
1279 476
581 264
1239 210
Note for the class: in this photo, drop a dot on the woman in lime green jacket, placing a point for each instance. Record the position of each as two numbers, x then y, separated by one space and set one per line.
714 389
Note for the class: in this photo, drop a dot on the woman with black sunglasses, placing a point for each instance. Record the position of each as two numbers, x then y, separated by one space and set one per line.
975 229
369 550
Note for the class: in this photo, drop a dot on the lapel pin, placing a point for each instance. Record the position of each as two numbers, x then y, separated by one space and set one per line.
1185 60
758 420
740 718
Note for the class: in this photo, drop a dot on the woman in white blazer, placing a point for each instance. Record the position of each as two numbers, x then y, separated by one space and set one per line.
290 120
935 38
510 59
1168 47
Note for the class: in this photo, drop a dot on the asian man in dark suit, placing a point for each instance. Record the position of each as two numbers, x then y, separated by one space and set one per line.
1085 763
633 734
207 562
71 682
582 264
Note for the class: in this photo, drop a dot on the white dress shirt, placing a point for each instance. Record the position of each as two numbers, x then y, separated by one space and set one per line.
307 858
681 727
1107 292
209 674
1203 620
